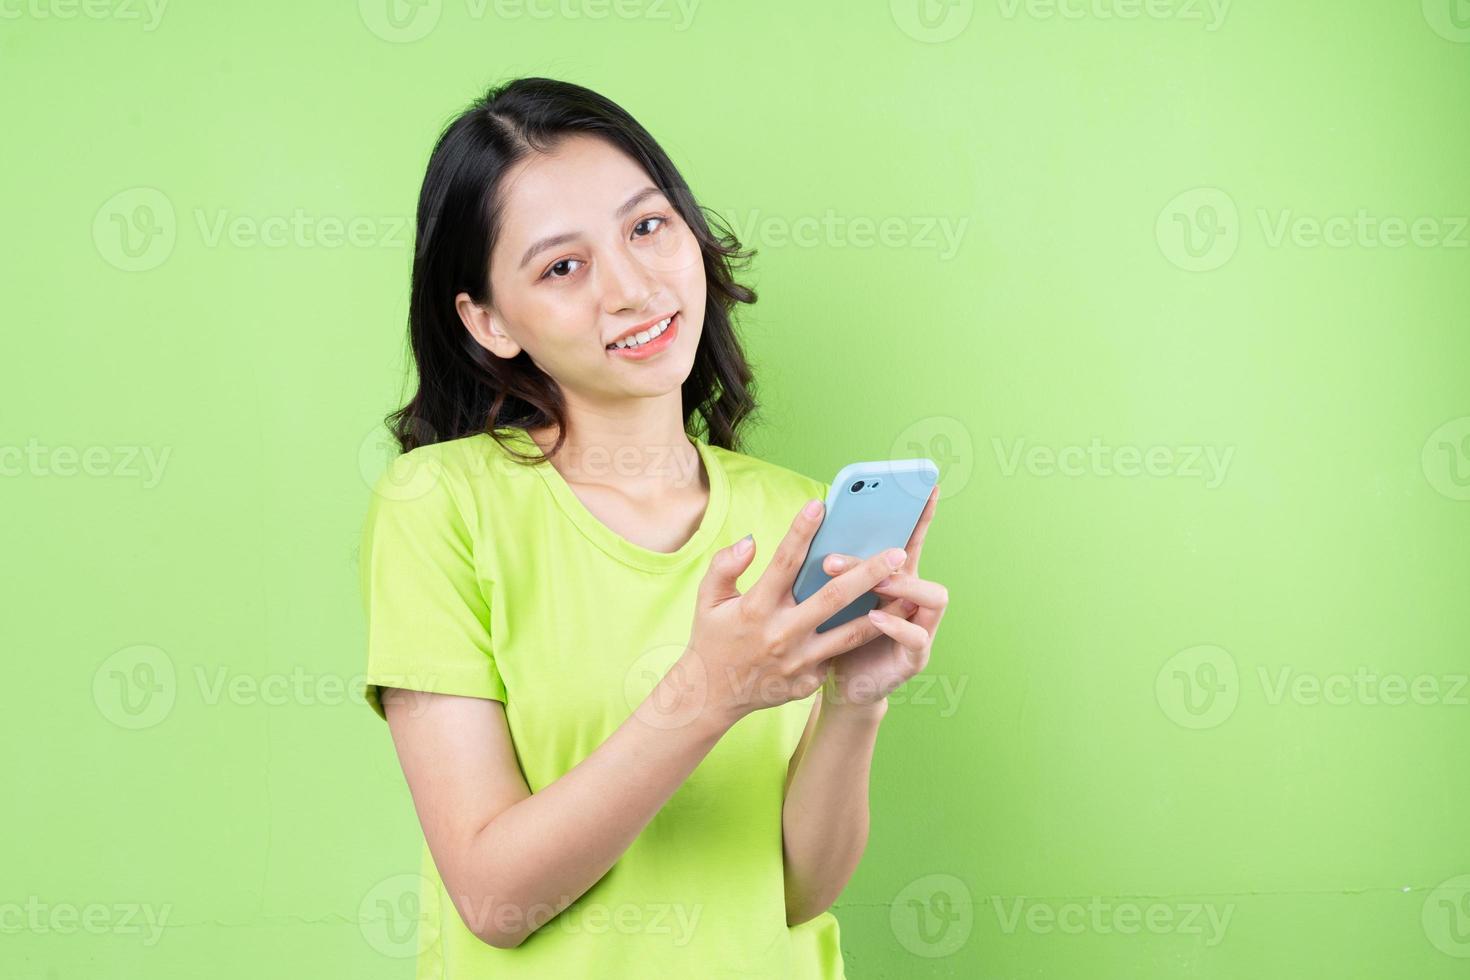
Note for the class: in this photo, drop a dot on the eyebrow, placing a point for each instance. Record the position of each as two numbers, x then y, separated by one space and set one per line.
554 240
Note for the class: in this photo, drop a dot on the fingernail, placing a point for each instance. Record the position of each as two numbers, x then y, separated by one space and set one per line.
812 507
876 616
838 564
886 582
743 546
896 557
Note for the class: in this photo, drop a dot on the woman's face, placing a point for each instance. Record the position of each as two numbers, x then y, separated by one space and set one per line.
588 250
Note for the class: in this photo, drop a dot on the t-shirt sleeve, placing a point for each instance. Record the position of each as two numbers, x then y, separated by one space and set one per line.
428 618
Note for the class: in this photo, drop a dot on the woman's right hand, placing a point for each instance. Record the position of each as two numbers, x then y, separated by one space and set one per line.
761 649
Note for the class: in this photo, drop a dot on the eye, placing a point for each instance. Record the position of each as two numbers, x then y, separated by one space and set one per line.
558 264
653 217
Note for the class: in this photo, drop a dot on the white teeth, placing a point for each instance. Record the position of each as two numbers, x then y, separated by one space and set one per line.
644 336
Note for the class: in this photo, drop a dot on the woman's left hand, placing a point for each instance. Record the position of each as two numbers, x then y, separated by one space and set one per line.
868 673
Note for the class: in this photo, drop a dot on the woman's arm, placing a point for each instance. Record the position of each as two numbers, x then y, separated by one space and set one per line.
824 821
501 850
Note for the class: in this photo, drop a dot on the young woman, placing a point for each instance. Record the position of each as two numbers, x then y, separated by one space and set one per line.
630 752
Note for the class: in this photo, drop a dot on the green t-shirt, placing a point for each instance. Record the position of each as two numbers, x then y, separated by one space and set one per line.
487 578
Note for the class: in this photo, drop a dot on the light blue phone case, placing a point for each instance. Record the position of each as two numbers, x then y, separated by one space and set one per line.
871 507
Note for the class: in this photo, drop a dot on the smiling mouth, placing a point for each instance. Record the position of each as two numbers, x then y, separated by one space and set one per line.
636 339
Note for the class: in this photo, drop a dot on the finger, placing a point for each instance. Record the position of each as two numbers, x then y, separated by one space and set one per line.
840 639
776 581
831 598
836 563
854 633
909 635
928 617
915 547
921 591
725 567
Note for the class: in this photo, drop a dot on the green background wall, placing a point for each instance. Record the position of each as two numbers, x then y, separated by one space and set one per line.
1176 294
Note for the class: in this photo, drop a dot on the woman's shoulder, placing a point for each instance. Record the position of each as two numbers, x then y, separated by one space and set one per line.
453 475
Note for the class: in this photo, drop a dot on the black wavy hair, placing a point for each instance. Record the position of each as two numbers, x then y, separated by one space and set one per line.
463 389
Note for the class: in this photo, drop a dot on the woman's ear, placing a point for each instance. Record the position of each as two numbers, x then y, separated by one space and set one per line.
484 325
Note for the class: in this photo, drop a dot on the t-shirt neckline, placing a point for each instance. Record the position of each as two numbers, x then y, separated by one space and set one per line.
615 544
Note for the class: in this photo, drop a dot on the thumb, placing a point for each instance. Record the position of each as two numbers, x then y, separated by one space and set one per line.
727 565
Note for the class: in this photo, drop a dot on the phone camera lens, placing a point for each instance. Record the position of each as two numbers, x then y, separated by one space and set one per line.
857 486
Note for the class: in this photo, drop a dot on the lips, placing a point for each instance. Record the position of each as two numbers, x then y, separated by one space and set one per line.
634 331
653 347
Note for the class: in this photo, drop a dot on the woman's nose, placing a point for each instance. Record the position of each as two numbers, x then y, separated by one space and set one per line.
626 284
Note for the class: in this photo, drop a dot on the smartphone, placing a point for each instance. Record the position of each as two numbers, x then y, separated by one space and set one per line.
871 507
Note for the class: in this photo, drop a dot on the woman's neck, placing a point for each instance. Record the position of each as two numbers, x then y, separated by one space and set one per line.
641 463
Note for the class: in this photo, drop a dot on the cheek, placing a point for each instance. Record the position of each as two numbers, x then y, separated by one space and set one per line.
691 279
